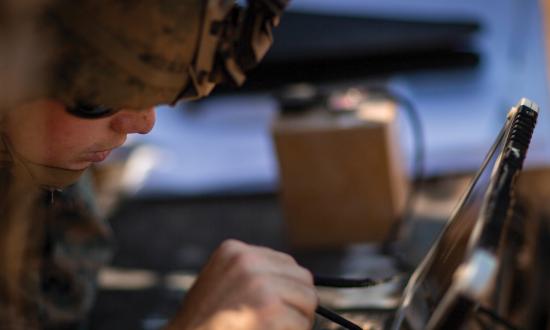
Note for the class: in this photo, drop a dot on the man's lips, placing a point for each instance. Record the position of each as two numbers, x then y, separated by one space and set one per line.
98 156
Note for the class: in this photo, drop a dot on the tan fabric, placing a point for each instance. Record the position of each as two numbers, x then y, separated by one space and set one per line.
22 49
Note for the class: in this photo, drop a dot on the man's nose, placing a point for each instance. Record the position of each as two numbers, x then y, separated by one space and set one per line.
134 121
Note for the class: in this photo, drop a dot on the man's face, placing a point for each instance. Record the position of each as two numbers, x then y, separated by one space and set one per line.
44 133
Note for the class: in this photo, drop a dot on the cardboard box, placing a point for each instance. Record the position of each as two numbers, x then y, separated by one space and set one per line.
342 178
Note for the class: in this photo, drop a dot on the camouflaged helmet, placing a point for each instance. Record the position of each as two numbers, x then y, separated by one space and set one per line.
140 53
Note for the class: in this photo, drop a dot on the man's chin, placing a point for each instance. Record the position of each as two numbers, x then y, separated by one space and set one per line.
51 177
82 166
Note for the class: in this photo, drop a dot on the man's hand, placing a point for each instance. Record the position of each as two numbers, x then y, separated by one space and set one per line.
248 287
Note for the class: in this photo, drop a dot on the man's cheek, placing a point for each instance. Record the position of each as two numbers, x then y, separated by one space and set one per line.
60 149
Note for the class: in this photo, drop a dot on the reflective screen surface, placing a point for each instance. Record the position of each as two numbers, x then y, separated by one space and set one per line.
433 277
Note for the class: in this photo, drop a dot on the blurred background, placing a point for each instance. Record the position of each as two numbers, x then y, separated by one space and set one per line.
229 166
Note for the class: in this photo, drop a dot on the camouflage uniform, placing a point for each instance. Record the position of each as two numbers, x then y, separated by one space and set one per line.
116 54
74 244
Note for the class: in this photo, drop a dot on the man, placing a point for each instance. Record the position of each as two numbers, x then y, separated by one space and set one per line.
111 63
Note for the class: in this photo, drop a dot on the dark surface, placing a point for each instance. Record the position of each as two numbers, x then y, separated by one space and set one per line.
304 35
168 236
181 234
331 48
163 236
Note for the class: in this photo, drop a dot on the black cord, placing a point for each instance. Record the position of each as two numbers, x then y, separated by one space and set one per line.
332 316
337 282
418 159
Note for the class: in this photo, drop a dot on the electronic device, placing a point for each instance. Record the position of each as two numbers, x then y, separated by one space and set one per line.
457 277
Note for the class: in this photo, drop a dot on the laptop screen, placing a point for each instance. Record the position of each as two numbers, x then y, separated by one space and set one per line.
434 276
438 294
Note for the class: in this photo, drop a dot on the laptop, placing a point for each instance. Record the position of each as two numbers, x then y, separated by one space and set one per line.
460 281
458 276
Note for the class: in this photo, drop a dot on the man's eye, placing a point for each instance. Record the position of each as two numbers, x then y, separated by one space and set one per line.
89 111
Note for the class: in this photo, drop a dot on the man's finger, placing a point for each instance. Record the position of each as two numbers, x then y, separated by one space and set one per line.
296 295
292 320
